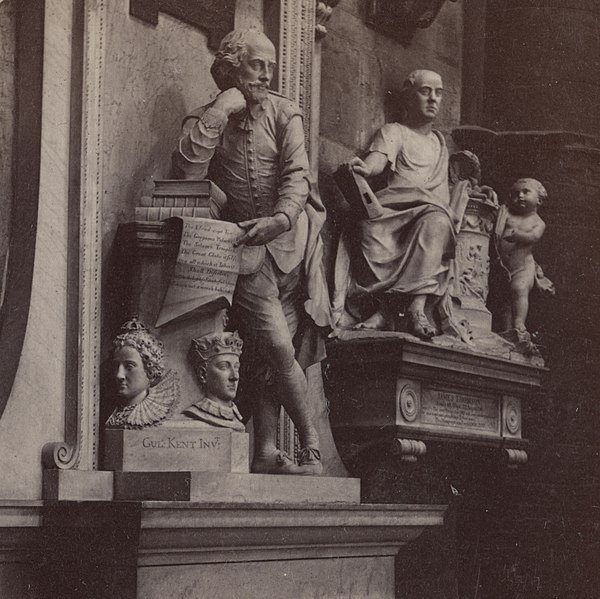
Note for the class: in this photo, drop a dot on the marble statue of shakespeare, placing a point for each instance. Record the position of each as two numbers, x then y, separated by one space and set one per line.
250 142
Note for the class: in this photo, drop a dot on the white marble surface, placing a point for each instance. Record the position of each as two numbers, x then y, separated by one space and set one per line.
34 414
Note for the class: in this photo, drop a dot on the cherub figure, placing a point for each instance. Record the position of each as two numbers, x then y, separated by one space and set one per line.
518 229
146 391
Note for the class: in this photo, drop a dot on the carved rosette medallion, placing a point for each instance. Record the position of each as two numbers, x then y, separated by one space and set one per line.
512 416
410 403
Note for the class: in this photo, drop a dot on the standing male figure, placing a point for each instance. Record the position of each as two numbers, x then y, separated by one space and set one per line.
250 142
406 250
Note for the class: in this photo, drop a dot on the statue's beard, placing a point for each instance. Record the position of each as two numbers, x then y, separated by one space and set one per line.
255 93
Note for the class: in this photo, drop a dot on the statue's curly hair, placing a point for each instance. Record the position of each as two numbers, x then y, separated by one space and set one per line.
232 50
150 349
541 190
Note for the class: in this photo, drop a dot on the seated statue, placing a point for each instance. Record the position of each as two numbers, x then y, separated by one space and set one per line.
402 257
215 359
518 229
146 392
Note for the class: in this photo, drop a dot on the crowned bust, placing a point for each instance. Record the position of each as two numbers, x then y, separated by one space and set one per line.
146 391
215 359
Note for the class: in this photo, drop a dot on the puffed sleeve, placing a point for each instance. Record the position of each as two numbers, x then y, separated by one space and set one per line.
201 135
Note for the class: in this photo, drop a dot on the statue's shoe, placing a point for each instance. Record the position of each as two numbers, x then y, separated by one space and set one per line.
309 461
278 462
419 325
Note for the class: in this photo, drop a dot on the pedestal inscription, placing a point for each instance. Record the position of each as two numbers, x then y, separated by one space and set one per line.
447 410
176 449
459 411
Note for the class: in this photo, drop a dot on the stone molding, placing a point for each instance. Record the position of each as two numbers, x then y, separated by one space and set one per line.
80 446
215 17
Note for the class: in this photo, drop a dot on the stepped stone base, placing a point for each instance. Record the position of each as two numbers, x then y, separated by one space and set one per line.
211 487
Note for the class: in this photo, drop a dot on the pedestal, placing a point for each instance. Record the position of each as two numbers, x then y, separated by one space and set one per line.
393 394
473 264
172 549
176 447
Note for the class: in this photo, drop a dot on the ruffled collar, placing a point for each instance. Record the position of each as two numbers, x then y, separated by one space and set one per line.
153 409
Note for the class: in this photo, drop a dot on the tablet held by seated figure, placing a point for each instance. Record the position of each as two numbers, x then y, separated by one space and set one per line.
146 392
215 359
250 142
399 261
518 229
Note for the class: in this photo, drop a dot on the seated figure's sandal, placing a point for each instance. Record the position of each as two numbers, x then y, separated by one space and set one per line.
419 325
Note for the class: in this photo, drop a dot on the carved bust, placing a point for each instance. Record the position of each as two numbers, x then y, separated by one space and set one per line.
146 394
215 359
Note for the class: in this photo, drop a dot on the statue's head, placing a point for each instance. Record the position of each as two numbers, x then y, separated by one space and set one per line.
138 361
215 359
246 59
526 196
422 95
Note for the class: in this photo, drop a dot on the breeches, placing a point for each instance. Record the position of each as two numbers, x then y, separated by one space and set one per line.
267 305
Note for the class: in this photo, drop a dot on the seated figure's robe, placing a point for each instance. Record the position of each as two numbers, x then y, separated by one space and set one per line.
393 252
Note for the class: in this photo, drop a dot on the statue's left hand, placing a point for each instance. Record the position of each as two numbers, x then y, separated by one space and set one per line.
260 231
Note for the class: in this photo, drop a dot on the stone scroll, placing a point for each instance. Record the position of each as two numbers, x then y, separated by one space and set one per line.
206 270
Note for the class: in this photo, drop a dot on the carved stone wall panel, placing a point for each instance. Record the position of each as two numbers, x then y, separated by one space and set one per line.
296 52
473 263
80 446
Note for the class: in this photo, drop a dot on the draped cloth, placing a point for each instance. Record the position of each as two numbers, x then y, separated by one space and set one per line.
419 218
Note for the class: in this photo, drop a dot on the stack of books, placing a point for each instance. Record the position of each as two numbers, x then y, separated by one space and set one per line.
180 197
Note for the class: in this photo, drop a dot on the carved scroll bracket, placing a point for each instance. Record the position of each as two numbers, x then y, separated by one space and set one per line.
402 18
409 449
215 17
514 457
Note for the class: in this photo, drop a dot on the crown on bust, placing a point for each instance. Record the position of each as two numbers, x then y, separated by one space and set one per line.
133 326
214 344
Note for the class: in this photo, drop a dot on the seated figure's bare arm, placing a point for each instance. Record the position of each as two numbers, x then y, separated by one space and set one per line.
372 165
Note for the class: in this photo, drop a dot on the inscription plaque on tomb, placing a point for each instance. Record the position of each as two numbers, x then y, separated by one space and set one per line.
459 411
176 448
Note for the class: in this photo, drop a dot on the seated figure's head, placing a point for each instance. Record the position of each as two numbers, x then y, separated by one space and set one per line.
526 196
138 361
216 362
422 95
246 59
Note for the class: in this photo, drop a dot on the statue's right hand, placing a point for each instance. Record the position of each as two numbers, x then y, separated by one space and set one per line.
359 166
230 101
